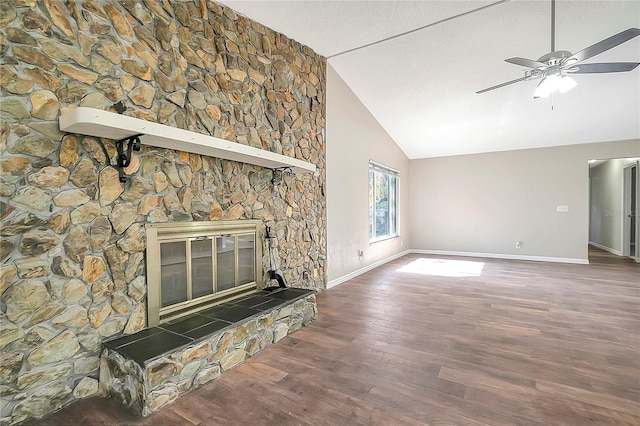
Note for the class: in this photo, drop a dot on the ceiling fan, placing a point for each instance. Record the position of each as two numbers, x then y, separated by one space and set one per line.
554 68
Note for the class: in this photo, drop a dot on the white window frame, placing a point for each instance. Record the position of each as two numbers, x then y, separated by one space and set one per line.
394 204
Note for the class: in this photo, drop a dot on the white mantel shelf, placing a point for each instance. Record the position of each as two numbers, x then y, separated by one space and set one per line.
105 124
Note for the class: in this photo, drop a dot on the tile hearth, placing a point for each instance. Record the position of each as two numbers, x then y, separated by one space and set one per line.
152 368
153 342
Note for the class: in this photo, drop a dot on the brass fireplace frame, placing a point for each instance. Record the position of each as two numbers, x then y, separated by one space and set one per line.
159 232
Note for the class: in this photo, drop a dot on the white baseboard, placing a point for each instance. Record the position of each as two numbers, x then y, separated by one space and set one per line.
605 248
367 268
504 256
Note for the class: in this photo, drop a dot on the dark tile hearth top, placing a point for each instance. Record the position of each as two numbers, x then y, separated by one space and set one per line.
291 294
152 346
268 304
125 340
189 323
207 329
252 301
230 313
151 343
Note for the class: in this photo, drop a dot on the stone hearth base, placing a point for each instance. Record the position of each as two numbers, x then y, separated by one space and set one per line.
146 373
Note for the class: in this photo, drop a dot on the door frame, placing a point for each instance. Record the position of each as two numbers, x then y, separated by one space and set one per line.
629 212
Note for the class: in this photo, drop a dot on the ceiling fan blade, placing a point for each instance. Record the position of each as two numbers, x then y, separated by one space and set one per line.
529 63
604 45
603 68
504 84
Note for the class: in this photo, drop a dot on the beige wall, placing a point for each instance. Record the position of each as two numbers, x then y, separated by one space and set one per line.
353 138
484 203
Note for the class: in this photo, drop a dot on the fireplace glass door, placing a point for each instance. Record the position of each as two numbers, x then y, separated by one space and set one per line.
246 254
174 272
200 268
226 262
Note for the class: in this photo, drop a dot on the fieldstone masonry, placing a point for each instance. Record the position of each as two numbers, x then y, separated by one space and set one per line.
72 270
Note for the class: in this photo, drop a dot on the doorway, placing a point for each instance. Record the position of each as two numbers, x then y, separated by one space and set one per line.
630 211
614 195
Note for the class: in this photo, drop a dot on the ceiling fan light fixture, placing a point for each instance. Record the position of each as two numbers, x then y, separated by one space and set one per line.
545 87
566 83
552 83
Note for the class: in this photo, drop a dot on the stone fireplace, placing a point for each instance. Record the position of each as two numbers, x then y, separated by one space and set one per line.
73 272
192 266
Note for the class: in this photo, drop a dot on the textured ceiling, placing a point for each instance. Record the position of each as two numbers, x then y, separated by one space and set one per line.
421 86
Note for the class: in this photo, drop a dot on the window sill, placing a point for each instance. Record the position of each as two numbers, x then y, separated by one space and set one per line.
379 240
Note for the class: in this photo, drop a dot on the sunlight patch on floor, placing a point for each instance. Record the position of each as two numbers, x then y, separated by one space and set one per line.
444 268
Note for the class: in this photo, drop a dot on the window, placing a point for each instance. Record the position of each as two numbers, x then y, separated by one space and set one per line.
195 264
383 202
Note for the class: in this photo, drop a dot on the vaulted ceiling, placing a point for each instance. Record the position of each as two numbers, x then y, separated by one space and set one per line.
421 86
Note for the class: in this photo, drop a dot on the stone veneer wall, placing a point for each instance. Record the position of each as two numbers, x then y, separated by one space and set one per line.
73 238
146 389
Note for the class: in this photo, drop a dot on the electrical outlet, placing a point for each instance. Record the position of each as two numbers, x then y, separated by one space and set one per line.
518 244
562 209
305 275
360 253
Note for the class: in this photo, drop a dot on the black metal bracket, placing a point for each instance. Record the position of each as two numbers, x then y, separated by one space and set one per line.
278 174
124 154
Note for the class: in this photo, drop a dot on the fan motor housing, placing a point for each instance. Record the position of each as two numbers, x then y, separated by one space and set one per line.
555 58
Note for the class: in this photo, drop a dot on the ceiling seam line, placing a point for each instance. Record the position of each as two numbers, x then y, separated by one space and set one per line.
417 29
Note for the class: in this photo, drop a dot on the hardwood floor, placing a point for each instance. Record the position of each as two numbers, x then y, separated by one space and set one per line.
521 343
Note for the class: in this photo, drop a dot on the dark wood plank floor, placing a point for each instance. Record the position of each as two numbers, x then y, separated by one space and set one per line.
522 343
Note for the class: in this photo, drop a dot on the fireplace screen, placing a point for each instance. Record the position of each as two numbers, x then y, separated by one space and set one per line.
193 265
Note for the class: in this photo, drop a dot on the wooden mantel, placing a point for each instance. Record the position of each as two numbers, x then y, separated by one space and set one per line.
105 124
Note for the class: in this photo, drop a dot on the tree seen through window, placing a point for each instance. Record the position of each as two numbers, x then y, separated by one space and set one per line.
383 184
